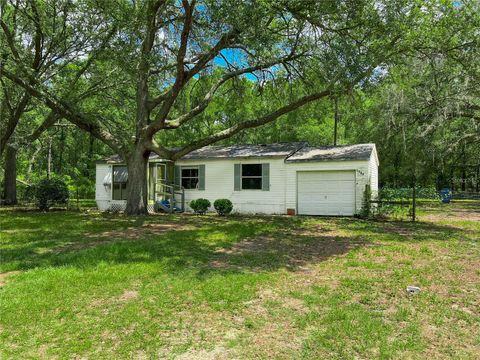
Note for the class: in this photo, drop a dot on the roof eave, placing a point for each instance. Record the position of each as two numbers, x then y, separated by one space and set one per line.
324 160
234 157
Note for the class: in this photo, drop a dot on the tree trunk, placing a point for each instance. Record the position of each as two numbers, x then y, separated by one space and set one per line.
137 163
31 163
477 187
10 176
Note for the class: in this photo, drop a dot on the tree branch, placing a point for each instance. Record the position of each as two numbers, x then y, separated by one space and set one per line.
252 123
200 62
47 122
169 98
13 121
65 111
173 124
10 40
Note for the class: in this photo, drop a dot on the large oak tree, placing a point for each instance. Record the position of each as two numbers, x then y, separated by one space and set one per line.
144 58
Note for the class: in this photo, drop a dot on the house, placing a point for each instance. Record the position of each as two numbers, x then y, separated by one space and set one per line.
283 178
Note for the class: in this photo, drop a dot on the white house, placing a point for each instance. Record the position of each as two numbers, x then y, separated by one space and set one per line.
285 178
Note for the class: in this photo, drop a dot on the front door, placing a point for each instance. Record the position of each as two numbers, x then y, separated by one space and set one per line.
157 176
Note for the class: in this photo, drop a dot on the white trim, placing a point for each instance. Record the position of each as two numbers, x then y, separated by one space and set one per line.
191 167
354 171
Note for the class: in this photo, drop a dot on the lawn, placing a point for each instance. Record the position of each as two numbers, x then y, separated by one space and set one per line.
90 285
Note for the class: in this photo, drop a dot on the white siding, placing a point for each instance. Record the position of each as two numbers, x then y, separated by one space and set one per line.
219 182
361 178
373 174
102 193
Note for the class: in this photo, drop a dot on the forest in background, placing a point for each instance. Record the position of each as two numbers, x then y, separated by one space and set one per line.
421 108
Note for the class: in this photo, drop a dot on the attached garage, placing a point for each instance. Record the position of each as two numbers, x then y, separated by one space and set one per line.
326 193
330 181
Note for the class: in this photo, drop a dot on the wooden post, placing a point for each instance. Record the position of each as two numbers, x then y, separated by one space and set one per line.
183 199
414 200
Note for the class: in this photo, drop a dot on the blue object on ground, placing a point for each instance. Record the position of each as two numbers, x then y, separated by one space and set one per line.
165 203
446 195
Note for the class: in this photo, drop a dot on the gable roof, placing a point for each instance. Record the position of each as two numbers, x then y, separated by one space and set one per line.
245 151
329 153
292 152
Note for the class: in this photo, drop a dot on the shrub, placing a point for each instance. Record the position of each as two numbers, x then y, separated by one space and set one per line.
390 193
366 210
223 206
200 206
49 192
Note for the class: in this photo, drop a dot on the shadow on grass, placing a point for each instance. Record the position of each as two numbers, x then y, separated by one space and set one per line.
202 245
400 230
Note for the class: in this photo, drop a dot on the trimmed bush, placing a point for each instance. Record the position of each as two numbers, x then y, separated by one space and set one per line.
200 206
223 206
49 192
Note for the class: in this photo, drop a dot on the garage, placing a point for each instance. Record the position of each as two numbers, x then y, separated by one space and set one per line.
326 193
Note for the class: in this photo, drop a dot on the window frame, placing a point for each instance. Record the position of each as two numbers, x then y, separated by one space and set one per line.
251 177
123 185
192 167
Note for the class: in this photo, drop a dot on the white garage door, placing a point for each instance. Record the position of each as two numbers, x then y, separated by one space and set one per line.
326 192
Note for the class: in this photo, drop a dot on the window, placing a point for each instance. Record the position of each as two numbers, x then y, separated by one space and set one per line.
119 183
252 176
190 177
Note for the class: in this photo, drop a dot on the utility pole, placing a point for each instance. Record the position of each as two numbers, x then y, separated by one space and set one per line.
414 199
335 100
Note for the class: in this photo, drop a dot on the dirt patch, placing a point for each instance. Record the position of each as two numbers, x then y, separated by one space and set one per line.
295 251
5 275
464 216
140 232
129 295
468 213
218 353
128 234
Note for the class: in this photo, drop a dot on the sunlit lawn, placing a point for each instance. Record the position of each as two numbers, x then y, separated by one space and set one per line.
87 285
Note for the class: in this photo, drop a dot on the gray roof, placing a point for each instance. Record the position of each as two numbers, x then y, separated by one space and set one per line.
327 153
292 152
245 151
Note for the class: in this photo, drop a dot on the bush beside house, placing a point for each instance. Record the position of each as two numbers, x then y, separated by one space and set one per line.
200 206
223 206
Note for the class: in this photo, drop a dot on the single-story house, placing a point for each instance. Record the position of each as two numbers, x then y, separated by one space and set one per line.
283 178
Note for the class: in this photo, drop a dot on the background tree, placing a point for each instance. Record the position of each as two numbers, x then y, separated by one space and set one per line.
170 77
162 47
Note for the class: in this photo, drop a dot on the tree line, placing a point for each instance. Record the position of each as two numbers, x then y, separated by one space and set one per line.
82 79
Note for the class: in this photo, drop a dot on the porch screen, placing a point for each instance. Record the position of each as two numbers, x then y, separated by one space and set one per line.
119 186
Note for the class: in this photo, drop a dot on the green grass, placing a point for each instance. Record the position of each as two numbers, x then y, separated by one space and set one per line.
106 286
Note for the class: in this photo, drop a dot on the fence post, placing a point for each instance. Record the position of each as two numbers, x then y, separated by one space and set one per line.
414 200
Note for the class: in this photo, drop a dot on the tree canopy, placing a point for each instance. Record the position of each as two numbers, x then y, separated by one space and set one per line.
169 77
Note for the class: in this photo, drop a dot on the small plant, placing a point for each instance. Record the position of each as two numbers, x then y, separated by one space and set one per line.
200 206
49 192
366 210
223 206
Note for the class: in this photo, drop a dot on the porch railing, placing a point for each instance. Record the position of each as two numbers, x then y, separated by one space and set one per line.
175 194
